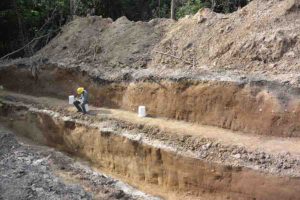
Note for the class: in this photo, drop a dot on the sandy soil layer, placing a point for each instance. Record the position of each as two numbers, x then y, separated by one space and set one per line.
31 171
151 155
255 107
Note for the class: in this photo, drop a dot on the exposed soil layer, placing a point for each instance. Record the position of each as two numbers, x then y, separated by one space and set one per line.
29 171
238 71
257 107
123 150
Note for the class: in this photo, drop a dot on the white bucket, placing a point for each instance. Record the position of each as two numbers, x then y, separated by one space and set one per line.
142 111
86 106
71 99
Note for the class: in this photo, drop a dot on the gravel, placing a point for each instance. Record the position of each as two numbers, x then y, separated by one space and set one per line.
29 171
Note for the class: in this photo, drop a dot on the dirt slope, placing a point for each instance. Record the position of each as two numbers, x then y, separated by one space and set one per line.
262 36
261 39
102 46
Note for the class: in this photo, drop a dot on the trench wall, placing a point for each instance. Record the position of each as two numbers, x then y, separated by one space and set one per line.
141 164
254 107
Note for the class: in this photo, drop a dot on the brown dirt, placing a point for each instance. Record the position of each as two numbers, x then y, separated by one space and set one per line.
263 36
263 108
260 41
243 71
29 171
237 71
265 153
142 163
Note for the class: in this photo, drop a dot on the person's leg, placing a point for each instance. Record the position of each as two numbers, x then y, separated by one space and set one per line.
77 105
83 107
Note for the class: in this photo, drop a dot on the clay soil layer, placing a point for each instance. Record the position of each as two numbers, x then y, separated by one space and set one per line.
263 108
144 165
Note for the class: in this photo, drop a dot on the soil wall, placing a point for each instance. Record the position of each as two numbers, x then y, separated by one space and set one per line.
144 165
254 107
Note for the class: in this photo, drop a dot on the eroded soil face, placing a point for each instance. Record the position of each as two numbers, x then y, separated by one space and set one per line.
239 72
31 171
148 157
263 108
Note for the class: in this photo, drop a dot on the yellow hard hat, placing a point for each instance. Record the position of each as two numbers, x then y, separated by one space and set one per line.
80 90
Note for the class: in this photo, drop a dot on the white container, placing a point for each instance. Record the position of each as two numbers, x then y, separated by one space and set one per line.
71 99
86 106
142 111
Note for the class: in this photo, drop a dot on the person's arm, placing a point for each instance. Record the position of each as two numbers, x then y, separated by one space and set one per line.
78 97
85 97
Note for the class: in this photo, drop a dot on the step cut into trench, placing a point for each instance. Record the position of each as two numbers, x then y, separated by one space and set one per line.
147 164
261 107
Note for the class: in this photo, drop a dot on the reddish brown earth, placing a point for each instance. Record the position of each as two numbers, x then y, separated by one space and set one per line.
263 108
238 72
149 153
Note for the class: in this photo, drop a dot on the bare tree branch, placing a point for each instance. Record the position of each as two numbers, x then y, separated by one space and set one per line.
18 50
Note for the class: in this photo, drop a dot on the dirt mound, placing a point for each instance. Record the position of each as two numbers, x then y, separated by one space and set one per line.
101 45
261 38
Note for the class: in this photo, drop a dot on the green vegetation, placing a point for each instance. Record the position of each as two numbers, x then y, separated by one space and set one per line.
190 7
23 20
222 6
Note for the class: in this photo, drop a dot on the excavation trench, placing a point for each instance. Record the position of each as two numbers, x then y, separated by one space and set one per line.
151 166
257 107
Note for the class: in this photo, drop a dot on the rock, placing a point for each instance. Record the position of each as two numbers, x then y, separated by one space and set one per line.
118 195
201 19
237 156
286 166
279 165
206 146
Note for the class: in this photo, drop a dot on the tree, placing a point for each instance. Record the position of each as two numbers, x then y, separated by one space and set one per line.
22 37
173 9
189 8
22 21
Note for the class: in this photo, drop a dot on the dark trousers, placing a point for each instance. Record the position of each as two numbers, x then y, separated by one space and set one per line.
80 106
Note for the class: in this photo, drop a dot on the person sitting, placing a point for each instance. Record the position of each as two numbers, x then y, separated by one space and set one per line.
82 100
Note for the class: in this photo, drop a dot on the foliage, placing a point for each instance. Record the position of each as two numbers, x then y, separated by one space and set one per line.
189 8
35 14
222 6
31 18
225 6
22 20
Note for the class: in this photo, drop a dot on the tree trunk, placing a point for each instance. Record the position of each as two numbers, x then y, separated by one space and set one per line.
22 37
73 8
159 8
173 9
213 5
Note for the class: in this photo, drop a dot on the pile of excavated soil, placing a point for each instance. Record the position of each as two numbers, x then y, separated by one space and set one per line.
259 40
262 36
100 45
